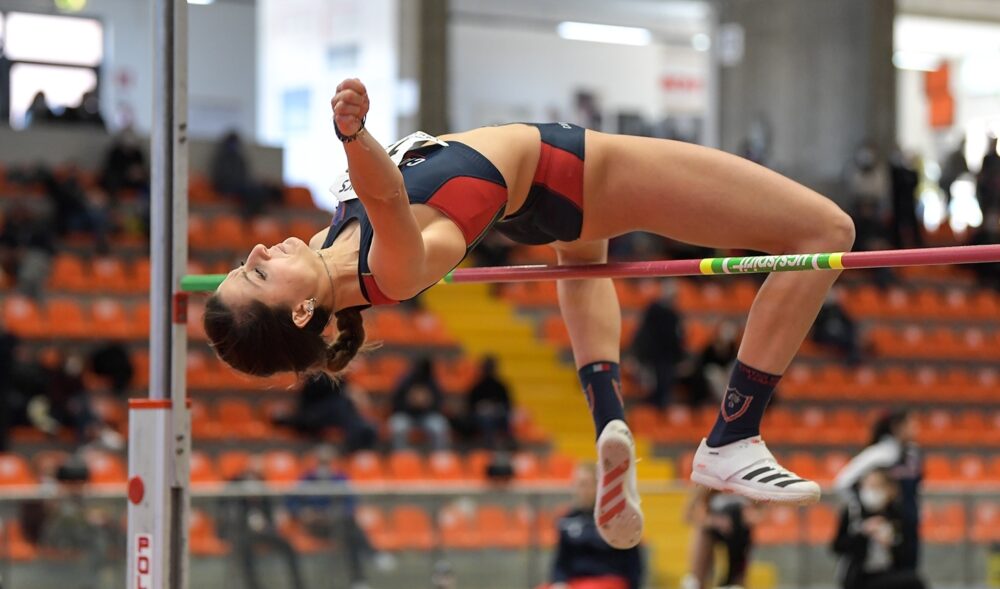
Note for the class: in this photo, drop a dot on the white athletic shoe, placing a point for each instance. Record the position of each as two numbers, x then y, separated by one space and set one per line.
749 469
617 511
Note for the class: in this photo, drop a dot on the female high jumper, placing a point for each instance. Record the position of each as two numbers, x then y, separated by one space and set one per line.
410 214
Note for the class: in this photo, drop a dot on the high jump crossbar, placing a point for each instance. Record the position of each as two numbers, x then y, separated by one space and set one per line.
931 256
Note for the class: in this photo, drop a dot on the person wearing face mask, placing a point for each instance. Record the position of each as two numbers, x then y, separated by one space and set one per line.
893 447
871 540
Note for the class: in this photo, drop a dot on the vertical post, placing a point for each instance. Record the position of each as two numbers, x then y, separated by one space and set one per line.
159 441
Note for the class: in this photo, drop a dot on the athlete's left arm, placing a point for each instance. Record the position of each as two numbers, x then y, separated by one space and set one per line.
406 256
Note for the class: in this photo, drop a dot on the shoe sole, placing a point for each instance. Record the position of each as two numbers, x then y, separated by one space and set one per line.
783 497
620 524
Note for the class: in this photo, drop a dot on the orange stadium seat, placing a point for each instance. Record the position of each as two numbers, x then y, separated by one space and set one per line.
66 318
69 272
406 465
304 229
267 231
281 467
559 467
15 546
986 522
445 466
298 197
200 190
22 316
203 539
366 466
109 320
502 529
237 417
458 529
300 538
233 463
105 468
108 275
413 527
476 463
203 470
938 469
373 522
15 470
229 232
821 524
942 523
526 466
780 525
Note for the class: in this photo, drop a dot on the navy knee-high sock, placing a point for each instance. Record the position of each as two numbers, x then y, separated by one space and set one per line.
743 405
601 383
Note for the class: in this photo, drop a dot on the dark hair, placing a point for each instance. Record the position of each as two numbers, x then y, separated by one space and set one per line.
885 426
262 340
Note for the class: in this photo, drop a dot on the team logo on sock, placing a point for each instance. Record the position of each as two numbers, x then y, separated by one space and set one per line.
734 404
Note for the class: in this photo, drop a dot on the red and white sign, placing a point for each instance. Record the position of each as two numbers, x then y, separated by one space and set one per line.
143 561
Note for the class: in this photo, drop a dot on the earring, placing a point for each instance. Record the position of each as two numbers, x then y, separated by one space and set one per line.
312 305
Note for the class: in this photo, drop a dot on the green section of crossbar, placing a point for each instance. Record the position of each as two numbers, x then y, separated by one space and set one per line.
201 282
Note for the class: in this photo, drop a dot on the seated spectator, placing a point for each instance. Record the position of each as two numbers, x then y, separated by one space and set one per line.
334 518
86 113
38 113
125 166
488 409
583 560
658 344
112 361
8 348
76 209
871 539
26 249
705 375
417 403
327 403
719 519
231 176
835 328
251 523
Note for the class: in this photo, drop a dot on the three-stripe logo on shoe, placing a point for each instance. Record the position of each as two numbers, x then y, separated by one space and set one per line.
775 475
612 501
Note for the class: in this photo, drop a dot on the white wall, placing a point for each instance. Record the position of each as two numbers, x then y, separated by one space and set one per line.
507 63
306 48
221 69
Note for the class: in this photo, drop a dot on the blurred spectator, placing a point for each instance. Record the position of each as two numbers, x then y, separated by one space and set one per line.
986 234
8 347
872 541
38 112
893 447
231 177
719 519
835 328
583 560
112 361
66 402
705 375
906 228
251 523
86 113
125 166
327 403
417 403
76 208
26 249
988 181
335 518
488 410
658 344
953 167
868 183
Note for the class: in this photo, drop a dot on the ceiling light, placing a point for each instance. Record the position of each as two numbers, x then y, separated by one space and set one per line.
580 31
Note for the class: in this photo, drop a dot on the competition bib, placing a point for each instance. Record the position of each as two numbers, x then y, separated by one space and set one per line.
342 188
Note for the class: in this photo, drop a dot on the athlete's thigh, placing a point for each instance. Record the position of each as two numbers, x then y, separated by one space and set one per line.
694 194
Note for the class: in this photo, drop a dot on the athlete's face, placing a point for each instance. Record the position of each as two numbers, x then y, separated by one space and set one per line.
285 275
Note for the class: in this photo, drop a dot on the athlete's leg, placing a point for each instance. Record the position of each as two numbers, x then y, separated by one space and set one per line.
707 197
593 318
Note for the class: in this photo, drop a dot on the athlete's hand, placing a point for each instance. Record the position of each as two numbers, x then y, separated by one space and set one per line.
350 105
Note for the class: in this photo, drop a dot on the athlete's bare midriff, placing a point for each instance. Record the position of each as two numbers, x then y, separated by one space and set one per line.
513 149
